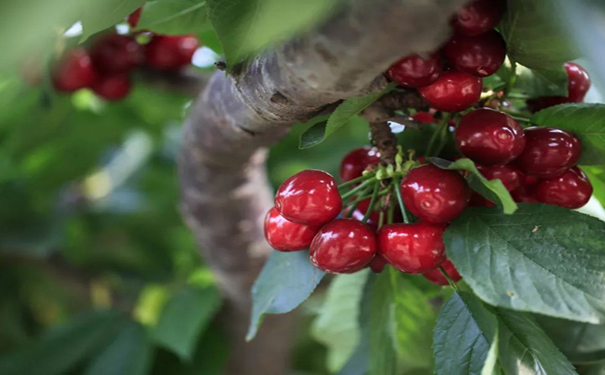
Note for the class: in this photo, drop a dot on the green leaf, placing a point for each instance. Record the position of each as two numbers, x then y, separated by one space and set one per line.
492 190
462 337
98 15
129 353
534 36
313 135
247 26
337 325
580 342
596 175
175 17
287 279
529 261
547 81
491 365
383 354
184 318
587 121
62 347
351 108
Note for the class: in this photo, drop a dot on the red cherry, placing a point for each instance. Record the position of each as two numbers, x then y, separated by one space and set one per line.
436 277
435 195
510 176
360 212
116 53
412 248
478 17
356 161
489 137
285 235
525 192
113 87
378 263
74 71
454 91
480 55
579 83
570 190
170 52
548 152
343 246
309 197
134 17
424 118
414 71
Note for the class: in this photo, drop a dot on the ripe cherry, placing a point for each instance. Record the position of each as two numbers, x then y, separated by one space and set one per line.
378 263
548 152
436 277
571 190
480 55
285 235
113 87
509 175
489 137
412 248
356 161
360 212
309 197
577 87
478 17
74 71
116 53
415 71
170 52
435 195
134 17
424 118
525 192
453 91
343 246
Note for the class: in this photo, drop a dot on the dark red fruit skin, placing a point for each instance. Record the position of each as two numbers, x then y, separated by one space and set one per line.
114 53
480 55
436 277
134 17
510 176
453 91
356 161
113 87
525 192
435 195
578 86
478 17
285 235
414 71
412 248
74 71
166 52
309 197
570 190
489 137
423 118
343 246
548 152
378 263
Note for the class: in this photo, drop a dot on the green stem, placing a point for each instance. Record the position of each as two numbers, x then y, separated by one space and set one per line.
391 214
372 202
438 138
356 180
381 219
404 212
513 78
449 279
356 190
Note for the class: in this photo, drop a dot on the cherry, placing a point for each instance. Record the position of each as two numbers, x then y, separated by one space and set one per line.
134 17
356 161
478 17
116 53
570 190
113 87
309 197
378 263
360 212
509 175
579 83
285 235
412 248
415 71
170 52
489 137
343 246
424 118
454 91
525 192
480 55
548 152
74 71
435 195
436 277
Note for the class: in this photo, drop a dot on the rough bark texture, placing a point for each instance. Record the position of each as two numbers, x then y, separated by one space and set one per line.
225 193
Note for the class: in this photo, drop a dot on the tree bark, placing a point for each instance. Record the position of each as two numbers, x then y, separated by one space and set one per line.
225 193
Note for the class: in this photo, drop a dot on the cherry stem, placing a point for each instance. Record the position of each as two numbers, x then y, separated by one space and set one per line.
353 205
372 202
356 180
448 278
381 219
357 189
437 140
404 212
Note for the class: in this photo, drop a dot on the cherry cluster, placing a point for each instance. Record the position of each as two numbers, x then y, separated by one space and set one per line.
107 65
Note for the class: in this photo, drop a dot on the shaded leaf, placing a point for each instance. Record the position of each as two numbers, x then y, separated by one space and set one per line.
383 355
313 135
546 81
98 15
175 17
